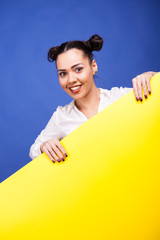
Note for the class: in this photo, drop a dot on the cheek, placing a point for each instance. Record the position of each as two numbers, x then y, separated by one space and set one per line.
86 75
62 83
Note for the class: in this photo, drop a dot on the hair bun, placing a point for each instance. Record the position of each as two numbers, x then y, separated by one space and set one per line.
95 43
52 54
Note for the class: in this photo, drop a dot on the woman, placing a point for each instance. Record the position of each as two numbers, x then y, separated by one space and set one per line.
76 69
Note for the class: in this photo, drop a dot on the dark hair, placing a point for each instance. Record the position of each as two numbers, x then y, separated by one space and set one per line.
95 43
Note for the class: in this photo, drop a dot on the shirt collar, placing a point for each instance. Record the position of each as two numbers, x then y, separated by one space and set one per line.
71 105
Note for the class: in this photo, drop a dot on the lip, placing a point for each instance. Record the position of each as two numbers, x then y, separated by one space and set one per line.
77 90
75 86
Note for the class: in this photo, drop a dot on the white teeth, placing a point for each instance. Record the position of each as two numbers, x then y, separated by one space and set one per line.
75 88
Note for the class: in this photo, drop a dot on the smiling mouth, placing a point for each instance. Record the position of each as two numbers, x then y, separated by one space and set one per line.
75 89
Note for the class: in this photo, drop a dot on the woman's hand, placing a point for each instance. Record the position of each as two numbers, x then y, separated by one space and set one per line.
54 150
142 81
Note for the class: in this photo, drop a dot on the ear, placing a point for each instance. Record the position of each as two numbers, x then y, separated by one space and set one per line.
94 67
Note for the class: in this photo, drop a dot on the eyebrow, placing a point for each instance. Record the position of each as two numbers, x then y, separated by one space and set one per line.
71 67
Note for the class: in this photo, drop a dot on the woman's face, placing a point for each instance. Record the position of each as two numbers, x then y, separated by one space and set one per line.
75 73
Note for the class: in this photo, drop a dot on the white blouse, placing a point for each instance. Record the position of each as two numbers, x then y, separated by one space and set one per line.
66 119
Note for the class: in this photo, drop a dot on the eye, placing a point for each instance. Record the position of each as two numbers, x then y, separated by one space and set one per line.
78 69
62 74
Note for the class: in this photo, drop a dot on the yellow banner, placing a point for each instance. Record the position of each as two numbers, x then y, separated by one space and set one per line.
107 188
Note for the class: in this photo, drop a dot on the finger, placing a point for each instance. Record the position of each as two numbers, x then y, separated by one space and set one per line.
53 151
144 87
135 88
139 88
55 154
45 150
59 153
61 148
148 78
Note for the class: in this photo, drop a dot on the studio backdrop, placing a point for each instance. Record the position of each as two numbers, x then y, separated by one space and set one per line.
30 91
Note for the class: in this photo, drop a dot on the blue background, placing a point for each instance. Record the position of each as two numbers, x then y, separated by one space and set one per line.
30 90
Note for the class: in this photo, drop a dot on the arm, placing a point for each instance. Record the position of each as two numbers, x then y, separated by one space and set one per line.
48 141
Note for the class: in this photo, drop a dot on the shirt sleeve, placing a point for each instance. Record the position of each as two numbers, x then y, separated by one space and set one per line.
118 92
125 90
52 130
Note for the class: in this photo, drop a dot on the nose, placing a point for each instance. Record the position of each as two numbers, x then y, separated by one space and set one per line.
71 78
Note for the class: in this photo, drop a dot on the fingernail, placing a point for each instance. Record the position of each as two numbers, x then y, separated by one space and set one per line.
58 160
149 92
141 99
66 155
137 98
62 159
145 96
53 161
